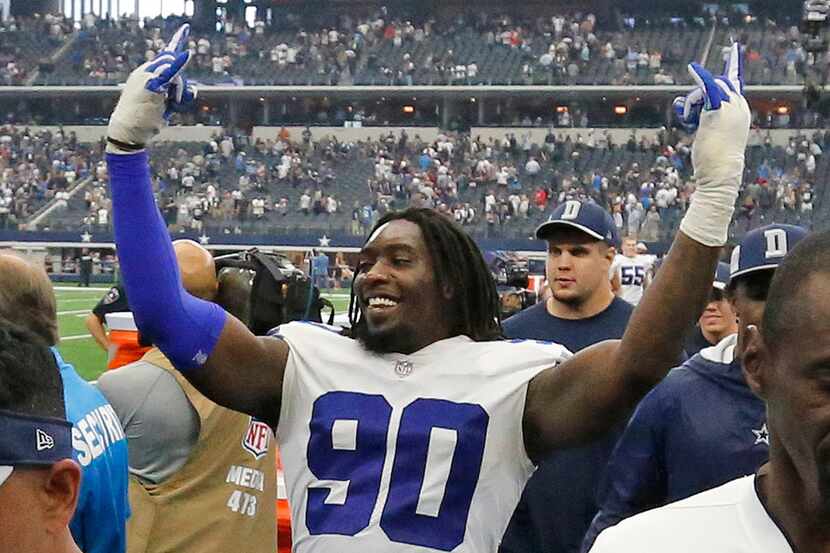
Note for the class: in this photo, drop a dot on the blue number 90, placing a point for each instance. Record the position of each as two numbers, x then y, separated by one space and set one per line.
439 451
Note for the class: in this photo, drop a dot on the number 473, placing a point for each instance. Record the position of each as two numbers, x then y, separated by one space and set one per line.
242 503
438 454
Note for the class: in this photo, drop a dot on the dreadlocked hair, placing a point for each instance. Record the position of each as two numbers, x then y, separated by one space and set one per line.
459 266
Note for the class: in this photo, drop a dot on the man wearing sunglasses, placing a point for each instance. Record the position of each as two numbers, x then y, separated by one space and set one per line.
39 481
702 425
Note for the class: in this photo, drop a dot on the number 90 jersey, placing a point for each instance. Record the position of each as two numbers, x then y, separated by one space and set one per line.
404 453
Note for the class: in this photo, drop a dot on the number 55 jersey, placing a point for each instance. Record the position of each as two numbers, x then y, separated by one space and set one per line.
404 453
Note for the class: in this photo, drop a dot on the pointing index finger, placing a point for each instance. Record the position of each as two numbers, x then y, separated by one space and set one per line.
734 68
179 40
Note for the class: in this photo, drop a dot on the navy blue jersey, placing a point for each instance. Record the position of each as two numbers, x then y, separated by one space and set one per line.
699 428
535 323
99 524
559 501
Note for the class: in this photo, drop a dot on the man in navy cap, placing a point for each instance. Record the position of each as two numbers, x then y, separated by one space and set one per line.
39 481
559 502
702 425
718 319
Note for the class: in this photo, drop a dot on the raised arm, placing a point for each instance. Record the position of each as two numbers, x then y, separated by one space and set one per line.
215 351
585 395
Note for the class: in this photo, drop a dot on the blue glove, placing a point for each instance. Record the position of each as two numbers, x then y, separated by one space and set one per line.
152 93
710 91
718 114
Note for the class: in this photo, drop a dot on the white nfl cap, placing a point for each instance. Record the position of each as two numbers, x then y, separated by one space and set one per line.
5 472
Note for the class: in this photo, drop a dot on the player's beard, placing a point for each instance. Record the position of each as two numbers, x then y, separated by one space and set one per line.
398 339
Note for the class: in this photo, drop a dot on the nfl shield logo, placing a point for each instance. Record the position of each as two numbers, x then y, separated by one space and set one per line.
257 438
403 368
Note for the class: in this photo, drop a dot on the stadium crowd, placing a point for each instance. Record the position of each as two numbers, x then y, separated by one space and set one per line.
39 168
383 47
494 187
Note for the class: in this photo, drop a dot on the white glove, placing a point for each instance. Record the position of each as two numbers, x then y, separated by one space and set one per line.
153 91
718 108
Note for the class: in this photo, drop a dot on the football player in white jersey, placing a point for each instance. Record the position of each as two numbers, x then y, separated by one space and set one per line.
419 431
631 272
785 506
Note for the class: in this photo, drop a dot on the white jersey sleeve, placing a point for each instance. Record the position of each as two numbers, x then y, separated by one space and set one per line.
404 453
726 519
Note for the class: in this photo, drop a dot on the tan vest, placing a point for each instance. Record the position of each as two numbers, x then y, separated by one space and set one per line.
222 500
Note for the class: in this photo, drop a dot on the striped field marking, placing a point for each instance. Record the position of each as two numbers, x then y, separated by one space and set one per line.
77 337
74 312
80 289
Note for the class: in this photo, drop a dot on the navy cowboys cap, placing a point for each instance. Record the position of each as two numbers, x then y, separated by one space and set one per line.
585 216
764 248
721 276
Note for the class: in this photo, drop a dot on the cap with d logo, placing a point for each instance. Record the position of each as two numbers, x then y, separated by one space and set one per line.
585 216
764 248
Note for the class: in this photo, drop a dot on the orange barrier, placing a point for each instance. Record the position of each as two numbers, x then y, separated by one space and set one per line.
283 511
124 348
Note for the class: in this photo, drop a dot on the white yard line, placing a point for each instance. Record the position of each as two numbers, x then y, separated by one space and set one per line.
80 289
74 312
77 337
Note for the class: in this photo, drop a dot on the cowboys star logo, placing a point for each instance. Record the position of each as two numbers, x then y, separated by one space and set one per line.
761 436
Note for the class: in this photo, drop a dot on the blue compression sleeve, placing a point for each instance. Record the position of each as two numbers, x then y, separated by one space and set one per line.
184 327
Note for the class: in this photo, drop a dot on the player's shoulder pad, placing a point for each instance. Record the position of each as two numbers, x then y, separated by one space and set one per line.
556 351
665 527
304 328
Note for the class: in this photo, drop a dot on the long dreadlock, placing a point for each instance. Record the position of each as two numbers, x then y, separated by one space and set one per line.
459 266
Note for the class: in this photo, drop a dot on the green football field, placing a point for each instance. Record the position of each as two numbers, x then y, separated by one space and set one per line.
77 346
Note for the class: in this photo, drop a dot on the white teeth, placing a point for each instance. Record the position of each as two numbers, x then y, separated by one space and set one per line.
376 302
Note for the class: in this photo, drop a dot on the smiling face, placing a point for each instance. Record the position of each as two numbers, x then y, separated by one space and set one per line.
718 319
403 305
577 267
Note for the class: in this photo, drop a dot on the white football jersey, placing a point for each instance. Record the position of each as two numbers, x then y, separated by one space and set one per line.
404 453
632 272
726 519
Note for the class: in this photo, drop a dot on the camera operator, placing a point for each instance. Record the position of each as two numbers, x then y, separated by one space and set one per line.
202 477
511 284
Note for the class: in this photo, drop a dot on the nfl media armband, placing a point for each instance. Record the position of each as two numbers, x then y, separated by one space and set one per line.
184 327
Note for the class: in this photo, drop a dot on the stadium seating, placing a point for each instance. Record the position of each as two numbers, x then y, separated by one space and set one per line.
773 186
494 52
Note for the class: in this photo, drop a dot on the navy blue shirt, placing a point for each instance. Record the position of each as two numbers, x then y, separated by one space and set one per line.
697 429
559 501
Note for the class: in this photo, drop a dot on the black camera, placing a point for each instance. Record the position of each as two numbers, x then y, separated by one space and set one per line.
814 21
265 290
